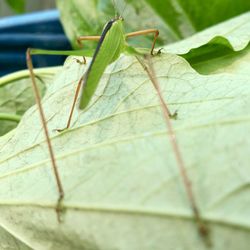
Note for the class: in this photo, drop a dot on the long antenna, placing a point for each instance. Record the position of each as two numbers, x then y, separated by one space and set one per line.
202 227
115 8
124 8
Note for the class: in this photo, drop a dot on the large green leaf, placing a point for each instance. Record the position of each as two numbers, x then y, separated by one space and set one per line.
175 19
123 188
215 49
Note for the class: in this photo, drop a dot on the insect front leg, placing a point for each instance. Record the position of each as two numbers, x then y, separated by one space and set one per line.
145 32
81 81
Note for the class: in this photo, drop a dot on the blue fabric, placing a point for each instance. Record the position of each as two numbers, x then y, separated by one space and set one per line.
36 30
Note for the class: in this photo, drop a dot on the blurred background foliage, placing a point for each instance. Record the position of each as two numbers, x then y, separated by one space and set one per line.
16 5
176 20
12 7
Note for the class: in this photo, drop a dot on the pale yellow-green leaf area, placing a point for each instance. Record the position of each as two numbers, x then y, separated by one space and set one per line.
122 186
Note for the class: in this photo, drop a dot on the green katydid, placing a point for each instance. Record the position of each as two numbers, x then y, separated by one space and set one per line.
112 43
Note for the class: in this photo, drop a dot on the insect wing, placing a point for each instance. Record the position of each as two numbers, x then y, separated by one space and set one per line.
108 50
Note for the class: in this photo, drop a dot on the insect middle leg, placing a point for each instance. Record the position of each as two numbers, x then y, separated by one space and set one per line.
81 81
86 38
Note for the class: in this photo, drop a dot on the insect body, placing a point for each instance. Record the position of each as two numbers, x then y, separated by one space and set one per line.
109 48
112 43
